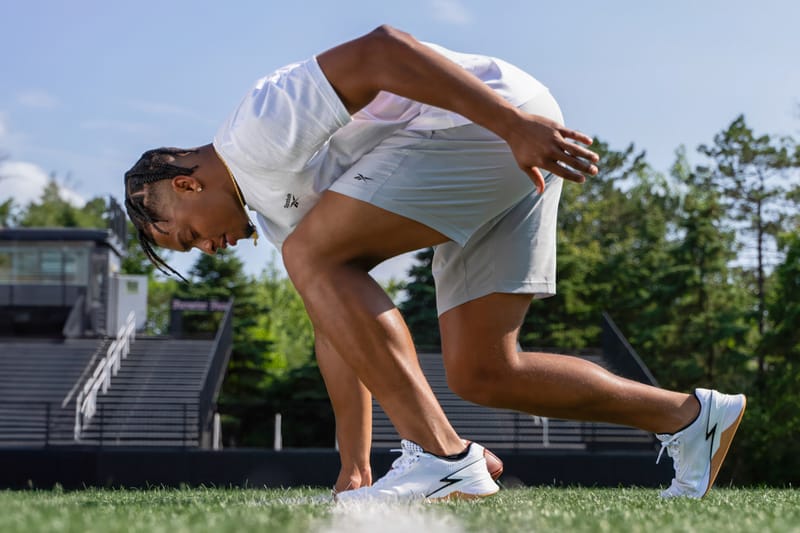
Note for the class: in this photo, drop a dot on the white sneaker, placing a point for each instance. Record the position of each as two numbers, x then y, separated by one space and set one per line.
698 450
418 475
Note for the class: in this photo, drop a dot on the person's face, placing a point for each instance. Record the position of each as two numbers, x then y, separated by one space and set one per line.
206 219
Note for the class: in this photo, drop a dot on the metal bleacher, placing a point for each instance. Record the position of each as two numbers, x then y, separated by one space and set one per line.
35 378
155 396
79 392
503 429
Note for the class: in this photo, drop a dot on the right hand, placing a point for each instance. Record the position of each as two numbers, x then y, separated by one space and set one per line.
539 143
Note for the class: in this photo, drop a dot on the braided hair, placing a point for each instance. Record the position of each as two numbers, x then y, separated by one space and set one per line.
154 165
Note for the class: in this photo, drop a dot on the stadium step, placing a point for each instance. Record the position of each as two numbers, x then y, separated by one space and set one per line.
154 397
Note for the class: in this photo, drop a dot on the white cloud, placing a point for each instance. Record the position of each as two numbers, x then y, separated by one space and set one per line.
451 11
161 108
37 98
114 125
24 182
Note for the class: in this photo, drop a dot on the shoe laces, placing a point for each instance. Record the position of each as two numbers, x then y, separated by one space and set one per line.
410 454
673 447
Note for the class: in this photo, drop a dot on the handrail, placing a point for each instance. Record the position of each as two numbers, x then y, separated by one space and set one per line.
212 381
108 366
621 354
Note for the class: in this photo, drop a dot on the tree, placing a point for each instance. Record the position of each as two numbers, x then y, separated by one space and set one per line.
754 174
287 321
611 231
52 210
772 425
704 320
248 378
7 207
7 213
419 306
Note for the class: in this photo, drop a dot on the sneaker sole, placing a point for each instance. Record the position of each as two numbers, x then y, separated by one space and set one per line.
461 496
724 444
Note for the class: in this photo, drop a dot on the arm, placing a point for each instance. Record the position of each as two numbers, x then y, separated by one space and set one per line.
390 60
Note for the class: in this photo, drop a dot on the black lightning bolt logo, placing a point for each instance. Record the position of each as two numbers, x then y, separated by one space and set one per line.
447 480
710 434
361 177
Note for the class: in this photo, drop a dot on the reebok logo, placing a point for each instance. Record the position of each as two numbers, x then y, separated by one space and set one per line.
361 177
291 201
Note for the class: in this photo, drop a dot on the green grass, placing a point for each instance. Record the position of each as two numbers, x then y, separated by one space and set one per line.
295 510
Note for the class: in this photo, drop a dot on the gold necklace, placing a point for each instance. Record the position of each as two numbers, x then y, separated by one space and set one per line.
239 196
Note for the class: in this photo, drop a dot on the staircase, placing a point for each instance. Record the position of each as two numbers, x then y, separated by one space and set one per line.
154 399
35 378
503 429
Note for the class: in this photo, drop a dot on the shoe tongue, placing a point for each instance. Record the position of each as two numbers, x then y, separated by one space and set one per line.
411 447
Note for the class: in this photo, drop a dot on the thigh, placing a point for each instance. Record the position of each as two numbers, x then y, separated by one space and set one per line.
342 229
514 254
484 331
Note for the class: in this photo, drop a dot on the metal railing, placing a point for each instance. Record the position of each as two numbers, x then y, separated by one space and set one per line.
31 423
166 424
43 424
621 354
223 346
100 380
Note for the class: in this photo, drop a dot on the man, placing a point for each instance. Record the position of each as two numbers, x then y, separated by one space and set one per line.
384 145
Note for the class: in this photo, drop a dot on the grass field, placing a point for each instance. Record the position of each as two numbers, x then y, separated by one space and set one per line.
295 510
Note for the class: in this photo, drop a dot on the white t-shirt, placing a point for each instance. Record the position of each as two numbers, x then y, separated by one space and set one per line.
291 137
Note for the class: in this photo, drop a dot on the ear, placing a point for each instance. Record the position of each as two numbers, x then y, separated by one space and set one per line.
186 184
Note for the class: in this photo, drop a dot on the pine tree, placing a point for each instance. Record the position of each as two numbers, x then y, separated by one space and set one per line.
755 175
419 306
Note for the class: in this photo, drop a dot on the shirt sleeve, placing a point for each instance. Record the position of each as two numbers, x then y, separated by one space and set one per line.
284 119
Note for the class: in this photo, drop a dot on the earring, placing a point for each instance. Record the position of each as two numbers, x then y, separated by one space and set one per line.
199 189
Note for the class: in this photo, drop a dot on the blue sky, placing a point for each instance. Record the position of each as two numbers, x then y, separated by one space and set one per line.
86 86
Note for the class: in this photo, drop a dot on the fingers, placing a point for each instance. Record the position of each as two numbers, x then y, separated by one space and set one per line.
577 136
560 169
577 163
536 177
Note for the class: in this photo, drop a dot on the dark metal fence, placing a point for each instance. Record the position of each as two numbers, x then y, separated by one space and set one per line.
34 423
45 424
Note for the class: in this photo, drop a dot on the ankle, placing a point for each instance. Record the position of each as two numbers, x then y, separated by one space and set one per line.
685 415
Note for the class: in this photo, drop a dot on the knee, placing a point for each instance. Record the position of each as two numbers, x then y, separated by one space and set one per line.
298 259
479 383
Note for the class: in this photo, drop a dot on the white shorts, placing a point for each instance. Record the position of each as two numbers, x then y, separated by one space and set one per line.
464 183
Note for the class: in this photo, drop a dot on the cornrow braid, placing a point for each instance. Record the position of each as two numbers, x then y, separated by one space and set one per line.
154 165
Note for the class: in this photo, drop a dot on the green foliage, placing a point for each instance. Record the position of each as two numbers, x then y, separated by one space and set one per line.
702 314
772 425
287 321
293 386
7 213
221 277
611 234
755 176
52 210
419 306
